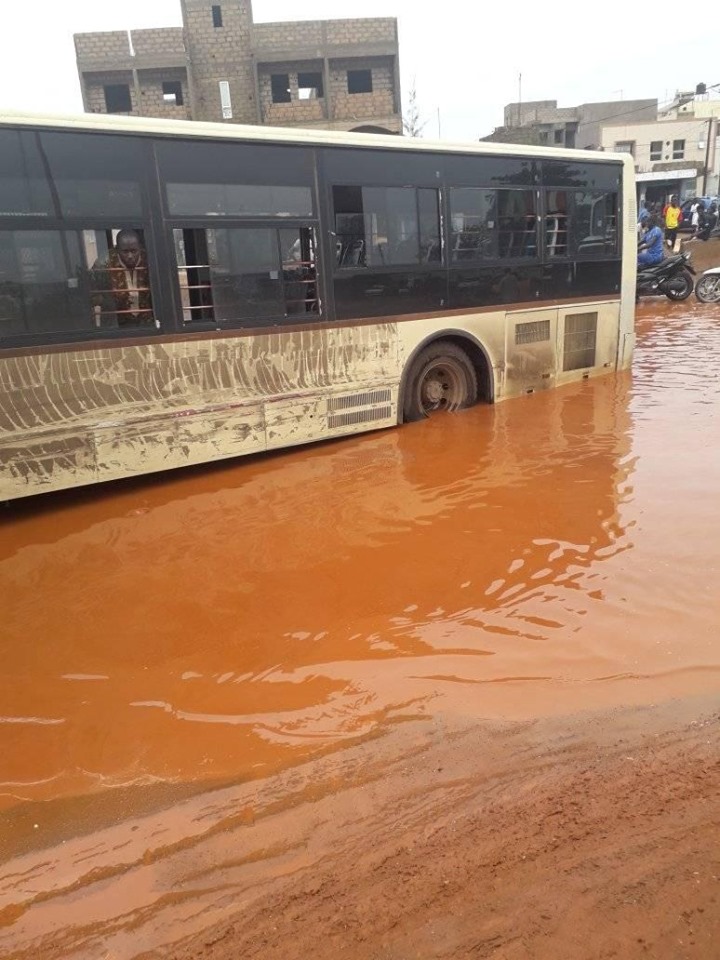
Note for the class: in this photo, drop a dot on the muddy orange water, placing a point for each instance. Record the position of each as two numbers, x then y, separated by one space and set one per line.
206 628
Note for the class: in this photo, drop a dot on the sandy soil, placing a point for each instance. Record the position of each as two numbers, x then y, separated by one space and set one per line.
588 838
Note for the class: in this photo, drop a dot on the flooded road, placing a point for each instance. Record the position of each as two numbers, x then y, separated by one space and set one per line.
213 627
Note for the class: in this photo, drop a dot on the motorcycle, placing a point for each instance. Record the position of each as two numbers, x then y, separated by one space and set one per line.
672 277
707 289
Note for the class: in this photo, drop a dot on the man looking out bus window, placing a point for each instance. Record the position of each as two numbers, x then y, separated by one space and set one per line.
121 284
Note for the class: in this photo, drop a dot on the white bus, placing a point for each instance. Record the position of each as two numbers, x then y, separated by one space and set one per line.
173 293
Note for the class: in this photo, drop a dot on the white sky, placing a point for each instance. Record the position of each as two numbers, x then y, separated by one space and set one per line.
463 55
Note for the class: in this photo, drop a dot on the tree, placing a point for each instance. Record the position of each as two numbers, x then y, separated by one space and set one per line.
413 124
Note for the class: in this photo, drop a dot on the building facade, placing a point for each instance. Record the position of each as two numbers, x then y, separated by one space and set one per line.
543 122
222 66
672 156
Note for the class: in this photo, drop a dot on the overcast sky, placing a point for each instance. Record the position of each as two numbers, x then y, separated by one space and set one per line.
463 55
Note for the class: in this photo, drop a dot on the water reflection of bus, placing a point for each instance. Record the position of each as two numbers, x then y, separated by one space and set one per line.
174 293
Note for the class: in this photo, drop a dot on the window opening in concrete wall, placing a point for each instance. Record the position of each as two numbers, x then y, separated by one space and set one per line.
543 136
359 81
656 150
225 101
280 86
172 92
217 16
678 149
117 98
558 136
310 86
625 146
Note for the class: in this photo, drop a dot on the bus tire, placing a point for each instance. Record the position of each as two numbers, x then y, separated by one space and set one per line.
442 377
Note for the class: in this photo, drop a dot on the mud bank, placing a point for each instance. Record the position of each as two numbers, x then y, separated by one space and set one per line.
596 837
578 837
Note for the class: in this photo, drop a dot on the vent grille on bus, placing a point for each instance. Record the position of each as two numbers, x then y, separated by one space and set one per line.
358 400
631 214
359 416
580 341
533 332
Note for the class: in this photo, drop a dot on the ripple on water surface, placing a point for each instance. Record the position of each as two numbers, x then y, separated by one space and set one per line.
222 622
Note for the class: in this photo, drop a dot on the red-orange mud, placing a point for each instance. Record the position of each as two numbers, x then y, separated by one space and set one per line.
444 691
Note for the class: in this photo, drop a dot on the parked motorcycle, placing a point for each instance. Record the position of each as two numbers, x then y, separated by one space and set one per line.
707 289
672 277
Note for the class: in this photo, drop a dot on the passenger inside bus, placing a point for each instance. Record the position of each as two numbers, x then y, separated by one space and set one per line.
121 285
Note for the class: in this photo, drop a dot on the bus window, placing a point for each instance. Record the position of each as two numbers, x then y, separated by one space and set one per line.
473 216
96 175
232 276
238 200
54 282
24 187
429 218
119 278
556 223
594 223
386 226
299 271
517 223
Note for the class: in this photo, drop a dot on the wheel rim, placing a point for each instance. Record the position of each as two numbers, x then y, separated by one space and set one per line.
442 386
710 287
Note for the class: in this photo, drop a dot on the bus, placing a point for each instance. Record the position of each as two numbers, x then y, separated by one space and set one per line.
175 293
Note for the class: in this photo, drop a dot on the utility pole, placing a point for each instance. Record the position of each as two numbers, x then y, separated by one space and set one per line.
707 155
519 96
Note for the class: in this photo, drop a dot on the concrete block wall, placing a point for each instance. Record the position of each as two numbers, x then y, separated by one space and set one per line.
152 103
366 30
221 53
95 92
148 43
280 37
230 52
102 46
297 111
322 34
362 107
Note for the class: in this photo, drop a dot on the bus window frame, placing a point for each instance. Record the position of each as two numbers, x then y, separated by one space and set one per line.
277 321
427 267
150 224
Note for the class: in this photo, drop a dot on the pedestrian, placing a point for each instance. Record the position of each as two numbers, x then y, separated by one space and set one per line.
705 223
713 214
644 212
673 219
695 210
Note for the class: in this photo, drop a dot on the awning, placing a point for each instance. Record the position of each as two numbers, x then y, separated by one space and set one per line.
690 174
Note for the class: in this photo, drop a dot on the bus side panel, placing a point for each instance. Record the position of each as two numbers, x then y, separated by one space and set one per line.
82 416
33 464
178 440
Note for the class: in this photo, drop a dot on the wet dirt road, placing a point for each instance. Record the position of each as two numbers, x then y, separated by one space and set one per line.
226 687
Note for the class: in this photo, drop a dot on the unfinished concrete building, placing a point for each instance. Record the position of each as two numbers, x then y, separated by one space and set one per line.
543 122
221 66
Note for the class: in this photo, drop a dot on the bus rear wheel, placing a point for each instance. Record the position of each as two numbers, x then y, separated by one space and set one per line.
442 377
